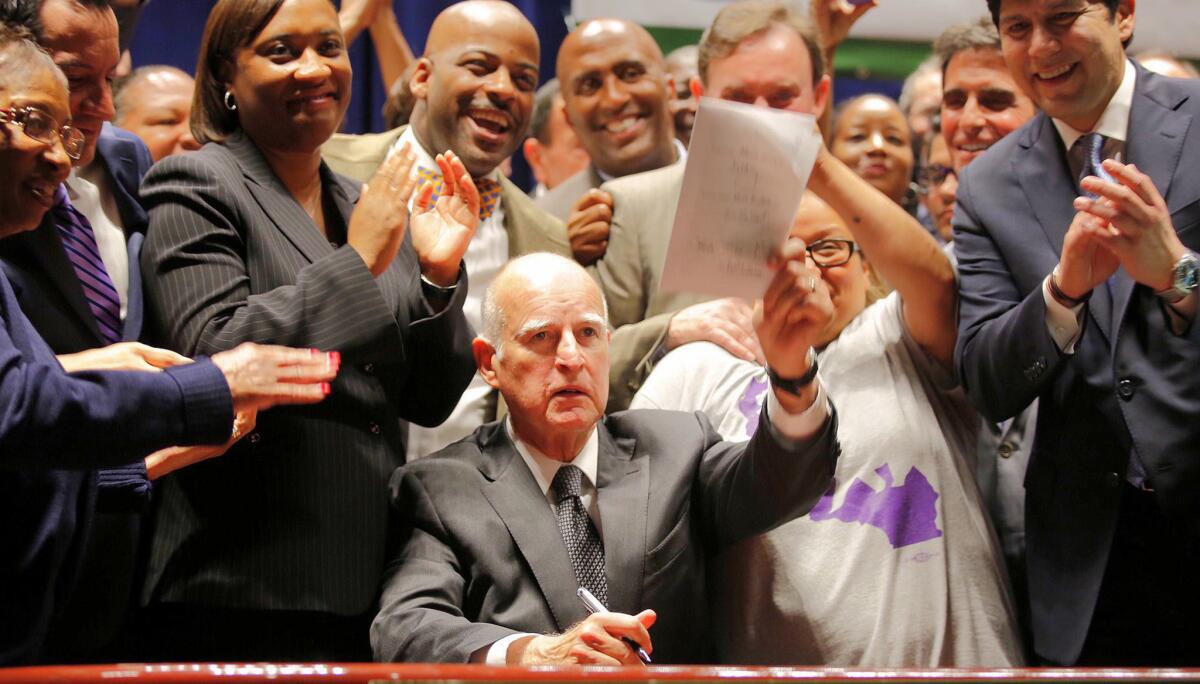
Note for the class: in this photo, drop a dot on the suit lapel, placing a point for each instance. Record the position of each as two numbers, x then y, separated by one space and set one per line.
624 495
47 249
1050 188
122 168
276 201
519 502
1154 144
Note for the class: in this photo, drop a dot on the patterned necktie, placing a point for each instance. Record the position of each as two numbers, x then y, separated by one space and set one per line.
1093 155
584 547
489 190
79 243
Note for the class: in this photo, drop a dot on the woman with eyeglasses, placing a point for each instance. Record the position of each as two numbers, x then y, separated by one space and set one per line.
897 565
57 429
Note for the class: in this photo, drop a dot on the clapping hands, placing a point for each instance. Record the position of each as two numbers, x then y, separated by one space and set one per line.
442 229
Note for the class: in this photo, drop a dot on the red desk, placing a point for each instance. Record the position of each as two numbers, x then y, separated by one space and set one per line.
247 673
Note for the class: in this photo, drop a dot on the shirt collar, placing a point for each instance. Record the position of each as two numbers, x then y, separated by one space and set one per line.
423 157
680 156
545 468
1114 122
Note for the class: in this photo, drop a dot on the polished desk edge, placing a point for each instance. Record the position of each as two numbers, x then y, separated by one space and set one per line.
371 673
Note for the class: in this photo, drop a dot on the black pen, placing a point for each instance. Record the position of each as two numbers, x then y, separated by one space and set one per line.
593 605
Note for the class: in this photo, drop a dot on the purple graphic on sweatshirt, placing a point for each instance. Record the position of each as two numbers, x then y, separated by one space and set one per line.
751 404
906 514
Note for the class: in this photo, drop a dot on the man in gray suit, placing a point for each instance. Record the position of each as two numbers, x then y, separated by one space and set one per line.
616 92
496 532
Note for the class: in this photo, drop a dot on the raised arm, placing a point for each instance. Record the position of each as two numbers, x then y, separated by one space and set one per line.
901 251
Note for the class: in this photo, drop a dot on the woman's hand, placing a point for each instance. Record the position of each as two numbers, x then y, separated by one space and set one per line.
171 459
121 356
442 230
378 223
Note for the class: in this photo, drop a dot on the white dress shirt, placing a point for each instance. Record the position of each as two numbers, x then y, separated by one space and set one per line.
90 191
485 256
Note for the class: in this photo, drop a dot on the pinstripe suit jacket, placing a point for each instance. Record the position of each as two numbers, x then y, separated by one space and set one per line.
295 516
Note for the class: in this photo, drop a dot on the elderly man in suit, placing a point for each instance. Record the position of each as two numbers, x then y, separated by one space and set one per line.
474 97
1076 239
617 96
497 531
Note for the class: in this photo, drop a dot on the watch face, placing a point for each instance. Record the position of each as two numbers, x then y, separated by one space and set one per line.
1187 274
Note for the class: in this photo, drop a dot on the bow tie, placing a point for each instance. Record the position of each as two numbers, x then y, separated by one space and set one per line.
489 190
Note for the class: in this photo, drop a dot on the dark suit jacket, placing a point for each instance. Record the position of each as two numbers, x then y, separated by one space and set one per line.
1131 383
55 429
52 298
295 516
479 554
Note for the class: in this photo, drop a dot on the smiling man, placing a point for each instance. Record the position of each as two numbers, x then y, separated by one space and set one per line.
617 92
1076 239
474 86
497 531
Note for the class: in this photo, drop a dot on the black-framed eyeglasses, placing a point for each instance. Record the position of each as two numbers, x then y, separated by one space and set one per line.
932 175
43 128
832 251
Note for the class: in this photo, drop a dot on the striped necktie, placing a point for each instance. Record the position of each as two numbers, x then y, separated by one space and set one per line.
79 243
1093 157
489 190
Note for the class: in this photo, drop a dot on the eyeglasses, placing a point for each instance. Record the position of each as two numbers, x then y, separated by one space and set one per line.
932 175
42 127
832 252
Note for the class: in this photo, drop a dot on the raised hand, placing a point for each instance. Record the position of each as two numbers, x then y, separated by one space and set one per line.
262 376
595 641
442 230
122 356
588 226
835 18
379 220
1133 224
794 312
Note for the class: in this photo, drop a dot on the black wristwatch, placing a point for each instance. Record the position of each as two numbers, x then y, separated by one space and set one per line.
794 385
1186 278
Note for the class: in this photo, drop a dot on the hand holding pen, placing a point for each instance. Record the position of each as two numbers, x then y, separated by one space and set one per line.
594 606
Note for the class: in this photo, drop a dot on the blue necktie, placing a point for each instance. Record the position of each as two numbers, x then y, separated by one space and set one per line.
1093 155
79 243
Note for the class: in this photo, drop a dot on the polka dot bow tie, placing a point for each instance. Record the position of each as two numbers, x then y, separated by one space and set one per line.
489 190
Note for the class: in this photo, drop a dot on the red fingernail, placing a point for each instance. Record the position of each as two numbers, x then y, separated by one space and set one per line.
335 358
325 389
313 351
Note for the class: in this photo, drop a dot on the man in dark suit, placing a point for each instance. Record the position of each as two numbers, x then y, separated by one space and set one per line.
498 530
1081 293
81 35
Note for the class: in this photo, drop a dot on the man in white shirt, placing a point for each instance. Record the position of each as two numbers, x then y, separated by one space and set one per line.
1076 242
474 88
497 532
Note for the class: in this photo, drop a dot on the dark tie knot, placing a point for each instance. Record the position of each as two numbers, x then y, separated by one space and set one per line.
566 482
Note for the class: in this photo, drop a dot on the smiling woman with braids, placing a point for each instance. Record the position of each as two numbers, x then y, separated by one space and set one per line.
276 553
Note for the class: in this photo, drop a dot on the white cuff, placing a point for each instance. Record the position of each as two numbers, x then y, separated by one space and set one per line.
1062 322
497 653
798 426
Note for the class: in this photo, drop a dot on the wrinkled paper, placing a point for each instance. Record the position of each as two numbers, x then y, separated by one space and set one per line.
747 168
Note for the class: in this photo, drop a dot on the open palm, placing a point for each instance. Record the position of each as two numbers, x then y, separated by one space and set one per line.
442 229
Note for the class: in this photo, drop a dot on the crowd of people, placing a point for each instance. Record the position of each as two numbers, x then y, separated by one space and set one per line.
270 391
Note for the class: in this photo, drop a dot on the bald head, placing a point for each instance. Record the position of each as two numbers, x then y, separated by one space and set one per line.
537 272
462 22
476 82
617 92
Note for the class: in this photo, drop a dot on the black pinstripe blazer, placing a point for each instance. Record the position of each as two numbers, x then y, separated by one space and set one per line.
295 517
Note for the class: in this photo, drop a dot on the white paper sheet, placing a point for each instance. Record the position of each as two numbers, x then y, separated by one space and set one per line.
747 168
